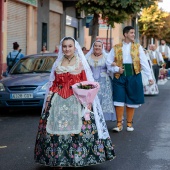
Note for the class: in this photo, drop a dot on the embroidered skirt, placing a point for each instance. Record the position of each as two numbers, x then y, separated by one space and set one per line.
71 150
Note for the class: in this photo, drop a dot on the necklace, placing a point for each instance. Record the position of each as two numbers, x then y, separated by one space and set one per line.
97 55
69 59
95 63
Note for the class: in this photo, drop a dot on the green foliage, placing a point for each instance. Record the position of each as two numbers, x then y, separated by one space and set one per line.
152 22
115 10
165 30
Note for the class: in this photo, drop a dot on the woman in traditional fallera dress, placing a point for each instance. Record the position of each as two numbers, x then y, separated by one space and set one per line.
96 58
65 138
148 88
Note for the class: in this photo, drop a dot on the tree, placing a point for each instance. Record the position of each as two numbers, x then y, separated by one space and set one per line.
117 11
165 30
152 22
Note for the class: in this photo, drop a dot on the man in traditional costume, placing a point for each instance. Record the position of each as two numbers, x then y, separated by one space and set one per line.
157 60
127 83
165 51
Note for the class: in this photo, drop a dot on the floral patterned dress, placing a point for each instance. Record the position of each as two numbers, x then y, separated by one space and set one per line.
105 93
65 138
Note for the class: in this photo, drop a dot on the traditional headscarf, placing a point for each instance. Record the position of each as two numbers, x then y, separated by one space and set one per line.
97 110
91 51
103 52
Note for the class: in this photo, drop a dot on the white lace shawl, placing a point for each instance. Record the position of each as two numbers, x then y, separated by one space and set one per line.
91 51
98 113
105 54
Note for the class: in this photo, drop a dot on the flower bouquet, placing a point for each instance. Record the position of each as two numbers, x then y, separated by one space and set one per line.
85 92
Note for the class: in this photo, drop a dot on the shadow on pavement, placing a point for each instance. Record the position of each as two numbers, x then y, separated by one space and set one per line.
20 112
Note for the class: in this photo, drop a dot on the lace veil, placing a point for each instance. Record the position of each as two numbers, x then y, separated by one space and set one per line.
105 54
98 113
92 49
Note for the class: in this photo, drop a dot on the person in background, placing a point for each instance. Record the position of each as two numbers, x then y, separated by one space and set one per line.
127 83
96 58
165 51
163 73
148 88
14 56
56 49
157 60
65 138
84 50
44 49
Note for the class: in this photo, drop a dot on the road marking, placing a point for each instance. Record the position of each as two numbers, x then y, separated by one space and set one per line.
2 147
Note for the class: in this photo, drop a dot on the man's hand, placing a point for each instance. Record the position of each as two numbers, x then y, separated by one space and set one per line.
121 70
151 82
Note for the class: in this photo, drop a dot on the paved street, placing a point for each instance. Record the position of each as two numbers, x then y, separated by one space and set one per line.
147 148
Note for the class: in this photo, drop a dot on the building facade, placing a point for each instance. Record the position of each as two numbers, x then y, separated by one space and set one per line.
34 23
19 24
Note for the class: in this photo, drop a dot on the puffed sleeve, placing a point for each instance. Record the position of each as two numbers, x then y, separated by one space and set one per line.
109 61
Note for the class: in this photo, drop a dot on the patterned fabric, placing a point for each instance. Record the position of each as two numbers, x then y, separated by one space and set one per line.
64 138
135 57
65 119
81 63
151 89
105 92
75 150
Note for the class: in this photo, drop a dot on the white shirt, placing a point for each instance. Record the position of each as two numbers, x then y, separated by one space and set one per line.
163 50
154 54
159 55
127 58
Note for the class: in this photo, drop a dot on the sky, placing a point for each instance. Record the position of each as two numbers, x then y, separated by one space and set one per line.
165 5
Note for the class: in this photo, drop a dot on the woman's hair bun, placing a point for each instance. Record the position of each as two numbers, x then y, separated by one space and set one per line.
15 45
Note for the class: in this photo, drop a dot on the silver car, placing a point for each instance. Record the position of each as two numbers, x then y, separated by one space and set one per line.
26 83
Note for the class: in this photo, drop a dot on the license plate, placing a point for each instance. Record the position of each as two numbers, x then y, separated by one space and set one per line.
21 96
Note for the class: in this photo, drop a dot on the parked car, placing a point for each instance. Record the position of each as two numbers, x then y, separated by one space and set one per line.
26 83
